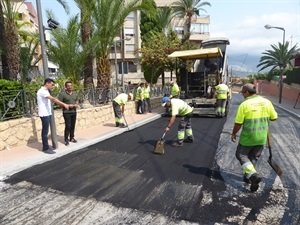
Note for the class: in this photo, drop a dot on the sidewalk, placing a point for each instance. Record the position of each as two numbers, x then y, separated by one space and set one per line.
286 105
21 157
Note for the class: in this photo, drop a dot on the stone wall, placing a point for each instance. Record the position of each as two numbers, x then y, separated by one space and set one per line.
27 130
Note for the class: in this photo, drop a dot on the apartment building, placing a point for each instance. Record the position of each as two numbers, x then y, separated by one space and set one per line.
124 52
199 24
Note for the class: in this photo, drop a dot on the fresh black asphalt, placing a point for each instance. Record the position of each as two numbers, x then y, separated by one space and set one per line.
124 171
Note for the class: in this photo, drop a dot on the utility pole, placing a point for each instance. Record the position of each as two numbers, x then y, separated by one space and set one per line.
45 69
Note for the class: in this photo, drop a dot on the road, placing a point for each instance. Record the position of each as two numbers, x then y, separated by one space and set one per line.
121 181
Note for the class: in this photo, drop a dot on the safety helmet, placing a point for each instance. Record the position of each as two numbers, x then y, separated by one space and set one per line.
165 100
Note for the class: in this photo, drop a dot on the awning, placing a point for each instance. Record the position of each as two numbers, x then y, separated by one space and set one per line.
198 53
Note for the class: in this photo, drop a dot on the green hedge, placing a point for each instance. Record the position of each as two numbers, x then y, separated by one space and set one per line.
293 76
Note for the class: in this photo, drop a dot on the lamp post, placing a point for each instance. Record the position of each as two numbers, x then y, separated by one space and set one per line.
282 56
122 63
45 69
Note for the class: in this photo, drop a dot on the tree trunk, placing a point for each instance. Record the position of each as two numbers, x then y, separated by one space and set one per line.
3 46
86 31
12 40
103 73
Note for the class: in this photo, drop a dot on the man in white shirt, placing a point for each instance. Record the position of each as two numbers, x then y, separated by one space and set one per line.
44 110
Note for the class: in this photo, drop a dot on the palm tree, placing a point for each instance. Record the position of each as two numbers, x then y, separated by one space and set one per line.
86 34
3 46
66 50
164 18
280 56
108 18
10 39
187 9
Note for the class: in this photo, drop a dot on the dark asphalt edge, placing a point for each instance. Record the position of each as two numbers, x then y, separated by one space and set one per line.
5 173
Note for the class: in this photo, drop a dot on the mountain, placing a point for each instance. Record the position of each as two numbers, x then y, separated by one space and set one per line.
243 65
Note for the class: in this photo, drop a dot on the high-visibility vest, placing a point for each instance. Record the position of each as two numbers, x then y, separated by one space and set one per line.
121 99
147 92
175 90
139 94
254 113
180 107
222 91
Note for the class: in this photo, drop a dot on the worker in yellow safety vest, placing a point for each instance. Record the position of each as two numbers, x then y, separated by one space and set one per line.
147 98
175 91
253 116
180 108
139 97
222 92
118 102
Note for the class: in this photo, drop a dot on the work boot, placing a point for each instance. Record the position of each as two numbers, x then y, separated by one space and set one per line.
255 179
176 144
188 140
117 124
122 125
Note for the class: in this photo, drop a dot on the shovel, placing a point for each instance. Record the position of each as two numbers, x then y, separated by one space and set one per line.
273 164
159 147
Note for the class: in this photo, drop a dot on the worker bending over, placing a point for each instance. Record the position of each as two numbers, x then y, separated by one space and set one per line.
180 108
118 102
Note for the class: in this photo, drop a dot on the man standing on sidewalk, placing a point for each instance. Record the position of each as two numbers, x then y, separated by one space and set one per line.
139 97
147 91
253 114
118 102
69 97
45 110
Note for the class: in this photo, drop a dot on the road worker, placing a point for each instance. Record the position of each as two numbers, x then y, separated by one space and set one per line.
118 102
253 114
180 108
175 91
147 98
139 97
222 92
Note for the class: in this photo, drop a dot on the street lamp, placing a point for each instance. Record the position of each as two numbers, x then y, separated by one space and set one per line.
122 63
282 56
45 65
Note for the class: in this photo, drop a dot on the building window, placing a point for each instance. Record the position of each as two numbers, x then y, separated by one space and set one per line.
128 67
179 30
129 32
130 48
132 68
199 28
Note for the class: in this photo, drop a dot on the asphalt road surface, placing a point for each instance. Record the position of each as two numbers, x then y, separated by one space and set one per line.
121 181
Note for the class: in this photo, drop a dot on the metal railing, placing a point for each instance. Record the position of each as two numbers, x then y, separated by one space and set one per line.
23 103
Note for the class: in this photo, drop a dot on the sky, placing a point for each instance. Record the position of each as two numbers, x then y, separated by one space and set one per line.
241 21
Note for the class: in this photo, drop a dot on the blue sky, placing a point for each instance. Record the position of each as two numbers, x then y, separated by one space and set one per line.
242 21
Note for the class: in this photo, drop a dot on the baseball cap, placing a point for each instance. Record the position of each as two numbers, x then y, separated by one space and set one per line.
248 87
164 101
